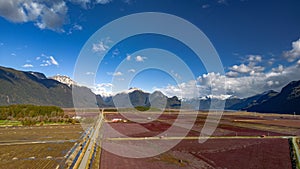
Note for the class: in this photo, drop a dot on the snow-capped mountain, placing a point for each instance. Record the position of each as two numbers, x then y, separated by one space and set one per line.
64 79
130 90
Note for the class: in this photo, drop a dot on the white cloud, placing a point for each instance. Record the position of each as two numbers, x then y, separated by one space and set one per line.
102 46
251 68
254 58
104 89
10 10
47 60
75 27
103 2
89 73
279 69
128 57
294 53
232 74
131 70
53 61
83 3
240 86
205 6
45 14
241 68
13 54
1 44
271 61
183 90
298 62
27 65
140 58
222 2
115 73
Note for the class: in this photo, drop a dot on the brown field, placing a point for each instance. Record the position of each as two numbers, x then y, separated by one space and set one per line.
37 147
228 126
240 141
215 153
49 132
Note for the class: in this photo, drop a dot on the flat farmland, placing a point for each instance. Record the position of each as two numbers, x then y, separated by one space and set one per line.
227 126
237 142
38 146
215 153
48 132
47 155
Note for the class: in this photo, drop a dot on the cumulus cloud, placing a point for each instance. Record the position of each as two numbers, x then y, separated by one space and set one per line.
232 74
250 68
294 53
27 66
184 90
140 58
279 69
240 86
104 89
10 10
254 58
45 14
241 68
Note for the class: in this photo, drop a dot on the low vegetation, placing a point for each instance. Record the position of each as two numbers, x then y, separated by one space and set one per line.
29 115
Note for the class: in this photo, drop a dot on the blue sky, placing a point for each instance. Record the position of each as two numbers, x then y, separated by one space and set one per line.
257 41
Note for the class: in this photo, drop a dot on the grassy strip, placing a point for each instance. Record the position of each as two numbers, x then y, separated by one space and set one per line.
10 123
296 152
15 123
97 158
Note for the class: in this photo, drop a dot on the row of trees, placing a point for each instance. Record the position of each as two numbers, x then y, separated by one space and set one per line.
32 115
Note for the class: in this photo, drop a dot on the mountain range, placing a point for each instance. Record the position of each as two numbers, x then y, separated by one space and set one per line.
27 87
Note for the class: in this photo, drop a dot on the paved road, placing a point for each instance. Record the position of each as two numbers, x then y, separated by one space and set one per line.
85 160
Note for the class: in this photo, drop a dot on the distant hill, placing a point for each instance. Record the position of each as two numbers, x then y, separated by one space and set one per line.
137 97
285 102
244 104
21 87
18 87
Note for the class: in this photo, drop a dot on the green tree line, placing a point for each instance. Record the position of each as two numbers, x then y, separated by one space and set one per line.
31 114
